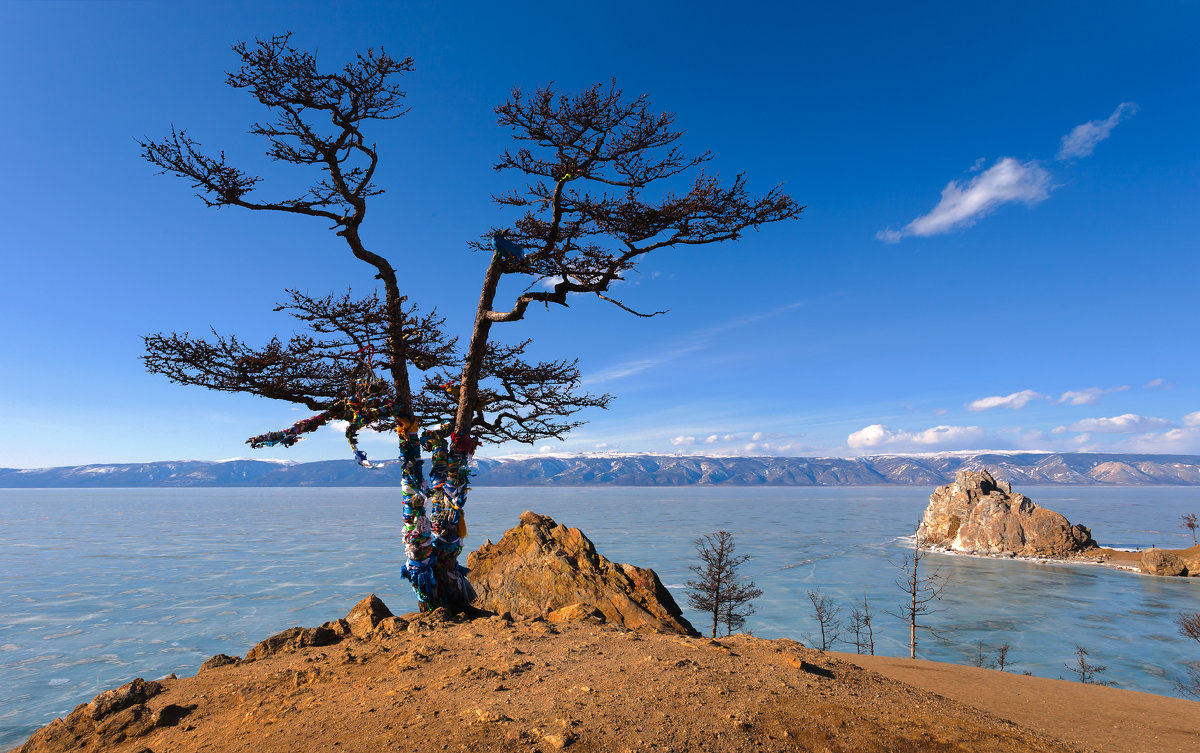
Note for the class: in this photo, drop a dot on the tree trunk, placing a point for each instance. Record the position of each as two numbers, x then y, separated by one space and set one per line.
468 390
399 348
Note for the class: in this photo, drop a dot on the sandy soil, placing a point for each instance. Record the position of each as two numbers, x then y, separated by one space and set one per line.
1090 716
492 684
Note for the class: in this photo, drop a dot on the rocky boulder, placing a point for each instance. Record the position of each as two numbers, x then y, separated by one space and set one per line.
542 569
1158 562
980 515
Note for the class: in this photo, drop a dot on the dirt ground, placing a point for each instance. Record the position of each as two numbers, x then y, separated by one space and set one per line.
495 684
1090 716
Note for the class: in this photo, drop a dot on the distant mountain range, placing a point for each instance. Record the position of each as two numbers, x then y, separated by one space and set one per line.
1029 468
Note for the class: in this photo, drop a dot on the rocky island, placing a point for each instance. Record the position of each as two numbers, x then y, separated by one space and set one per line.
979 515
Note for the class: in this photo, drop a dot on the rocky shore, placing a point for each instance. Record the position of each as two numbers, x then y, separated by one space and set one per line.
592 655
982 516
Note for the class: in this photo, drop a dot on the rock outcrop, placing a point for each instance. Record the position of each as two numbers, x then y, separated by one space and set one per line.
542 569
1158 562
979 515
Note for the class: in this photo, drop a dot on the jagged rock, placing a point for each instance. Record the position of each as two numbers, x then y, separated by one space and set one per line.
110 718
366 614
1158 562
130 694
1192 562
541 567
292 639
220 660
980 515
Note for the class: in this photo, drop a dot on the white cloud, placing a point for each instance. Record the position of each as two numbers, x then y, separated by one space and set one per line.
878 435
683 441
940 411
1059 430
715 438
1192 419
549 282
1015 401
1126 423
1006 181
1082 139
1090 396
1154 383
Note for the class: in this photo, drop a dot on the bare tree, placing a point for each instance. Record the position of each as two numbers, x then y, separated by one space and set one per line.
1189 522
828 617
979 660
585 219
1002 656
1189 627
860 625
1085 670
718 590
922 591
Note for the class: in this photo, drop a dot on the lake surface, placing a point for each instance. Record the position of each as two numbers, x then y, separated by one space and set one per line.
98 586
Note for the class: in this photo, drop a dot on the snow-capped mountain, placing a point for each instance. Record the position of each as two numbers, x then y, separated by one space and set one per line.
1021 468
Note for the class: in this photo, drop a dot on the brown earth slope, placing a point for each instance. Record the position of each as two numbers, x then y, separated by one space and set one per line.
432 683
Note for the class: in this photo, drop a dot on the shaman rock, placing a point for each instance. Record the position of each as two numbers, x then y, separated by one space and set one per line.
540 568
980 515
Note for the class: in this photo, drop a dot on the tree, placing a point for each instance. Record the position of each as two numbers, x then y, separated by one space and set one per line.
828 619
1189 522
1002 656
860 625
718 590
922 592
1085 670
566 232
1189 627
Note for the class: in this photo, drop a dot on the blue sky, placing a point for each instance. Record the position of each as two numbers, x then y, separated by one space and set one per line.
999 249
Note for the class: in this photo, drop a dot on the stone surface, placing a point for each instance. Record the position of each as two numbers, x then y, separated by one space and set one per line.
292 639
366 614
1158 562
220 660
575 612
980 515
130 694
540 567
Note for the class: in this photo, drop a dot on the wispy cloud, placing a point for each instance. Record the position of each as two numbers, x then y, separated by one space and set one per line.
1192 419
1082 139
1007 181
1015 401
878 436
1126 423
1090 396
698 340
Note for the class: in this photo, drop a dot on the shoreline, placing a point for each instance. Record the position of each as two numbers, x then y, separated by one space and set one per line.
1125 560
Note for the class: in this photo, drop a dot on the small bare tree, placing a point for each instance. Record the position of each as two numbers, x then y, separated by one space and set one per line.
828 619
1085 670
1189 522
1002 656
979 660
719 591
922 592
1189 627
860 625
